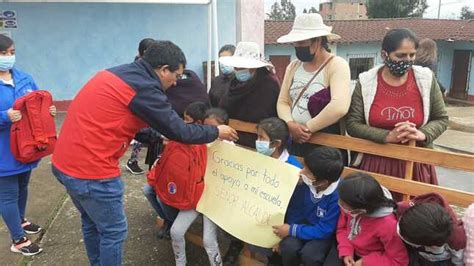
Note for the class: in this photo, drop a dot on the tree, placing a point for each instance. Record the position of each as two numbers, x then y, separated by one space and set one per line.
466 13
311 10
396 9
285 10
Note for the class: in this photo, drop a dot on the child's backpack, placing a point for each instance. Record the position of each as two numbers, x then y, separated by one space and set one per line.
457 238
178 176
34 136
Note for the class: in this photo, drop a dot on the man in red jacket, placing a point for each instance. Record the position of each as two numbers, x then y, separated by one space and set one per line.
101 121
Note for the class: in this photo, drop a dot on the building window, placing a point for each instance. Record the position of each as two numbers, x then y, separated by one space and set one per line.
360 63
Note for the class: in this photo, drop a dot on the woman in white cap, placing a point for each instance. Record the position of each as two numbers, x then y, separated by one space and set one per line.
253 93
315 92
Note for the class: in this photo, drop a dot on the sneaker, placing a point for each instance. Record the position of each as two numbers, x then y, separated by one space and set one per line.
134 168
25 247
164 232
30 228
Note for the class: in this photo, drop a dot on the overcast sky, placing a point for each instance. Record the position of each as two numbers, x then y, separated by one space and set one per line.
449 8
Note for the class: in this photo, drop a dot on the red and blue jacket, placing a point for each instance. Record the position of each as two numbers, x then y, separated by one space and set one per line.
107 113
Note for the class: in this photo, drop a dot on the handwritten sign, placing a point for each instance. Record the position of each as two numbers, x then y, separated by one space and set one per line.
246 192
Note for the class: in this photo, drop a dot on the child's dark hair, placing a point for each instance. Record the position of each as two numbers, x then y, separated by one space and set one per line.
426 224
5 43
325 163
362 191
394 38
276 129
144 44
219 114
197 111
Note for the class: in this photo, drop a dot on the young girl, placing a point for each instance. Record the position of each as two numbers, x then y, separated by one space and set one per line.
273 135
367 228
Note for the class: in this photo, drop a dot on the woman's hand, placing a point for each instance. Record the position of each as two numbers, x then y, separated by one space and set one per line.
358 263
392 136
52 110
408 131
14 115
299 133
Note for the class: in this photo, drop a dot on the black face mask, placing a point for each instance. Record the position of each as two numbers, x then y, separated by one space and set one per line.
398 68
303 54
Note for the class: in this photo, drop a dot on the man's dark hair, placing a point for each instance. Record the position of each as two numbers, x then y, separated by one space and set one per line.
219 114
162 53
5 43
426 224
197 111
325 163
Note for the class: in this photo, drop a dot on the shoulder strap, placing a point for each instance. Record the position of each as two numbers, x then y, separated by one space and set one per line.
309 82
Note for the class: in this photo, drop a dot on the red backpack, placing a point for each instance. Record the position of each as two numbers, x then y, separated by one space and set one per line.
457 238
178 176
34 136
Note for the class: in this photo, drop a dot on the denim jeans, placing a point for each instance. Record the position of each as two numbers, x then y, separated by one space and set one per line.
13 196
166 212
104 224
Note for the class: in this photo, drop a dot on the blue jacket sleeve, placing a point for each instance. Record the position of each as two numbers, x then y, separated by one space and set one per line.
152 106
4 120
323 229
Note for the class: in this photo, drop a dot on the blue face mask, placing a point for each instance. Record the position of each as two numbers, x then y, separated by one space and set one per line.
263 147
243 75
7 62
226 70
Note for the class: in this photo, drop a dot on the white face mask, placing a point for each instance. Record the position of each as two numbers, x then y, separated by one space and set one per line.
352 213
263 147
309 183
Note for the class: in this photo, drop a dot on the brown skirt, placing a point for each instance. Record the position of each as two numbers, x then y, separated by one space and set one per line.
393 167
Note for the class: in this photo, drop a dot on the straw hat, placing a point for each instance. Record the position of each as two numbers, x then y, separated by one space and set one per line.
247 55
308 26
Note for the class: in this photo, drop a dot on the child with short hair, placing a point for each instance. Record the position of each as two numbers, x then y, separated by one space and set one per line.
308 236
367 226
194 113
431 231
216 117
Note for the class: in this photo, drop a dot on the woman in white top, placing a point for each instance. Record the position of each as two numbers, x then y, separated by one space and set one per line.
310 38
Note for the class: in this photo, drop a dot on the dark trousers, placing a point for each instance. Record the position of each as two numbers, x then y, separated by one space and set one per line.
295 251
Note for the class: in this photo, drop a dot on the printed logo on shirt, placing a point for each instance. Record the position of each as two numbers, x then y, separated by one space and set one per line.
320 212
296 89
396 114
172 188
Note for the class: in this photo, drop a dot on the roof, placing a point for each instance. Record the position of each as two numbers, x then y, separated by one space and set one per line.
373 30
